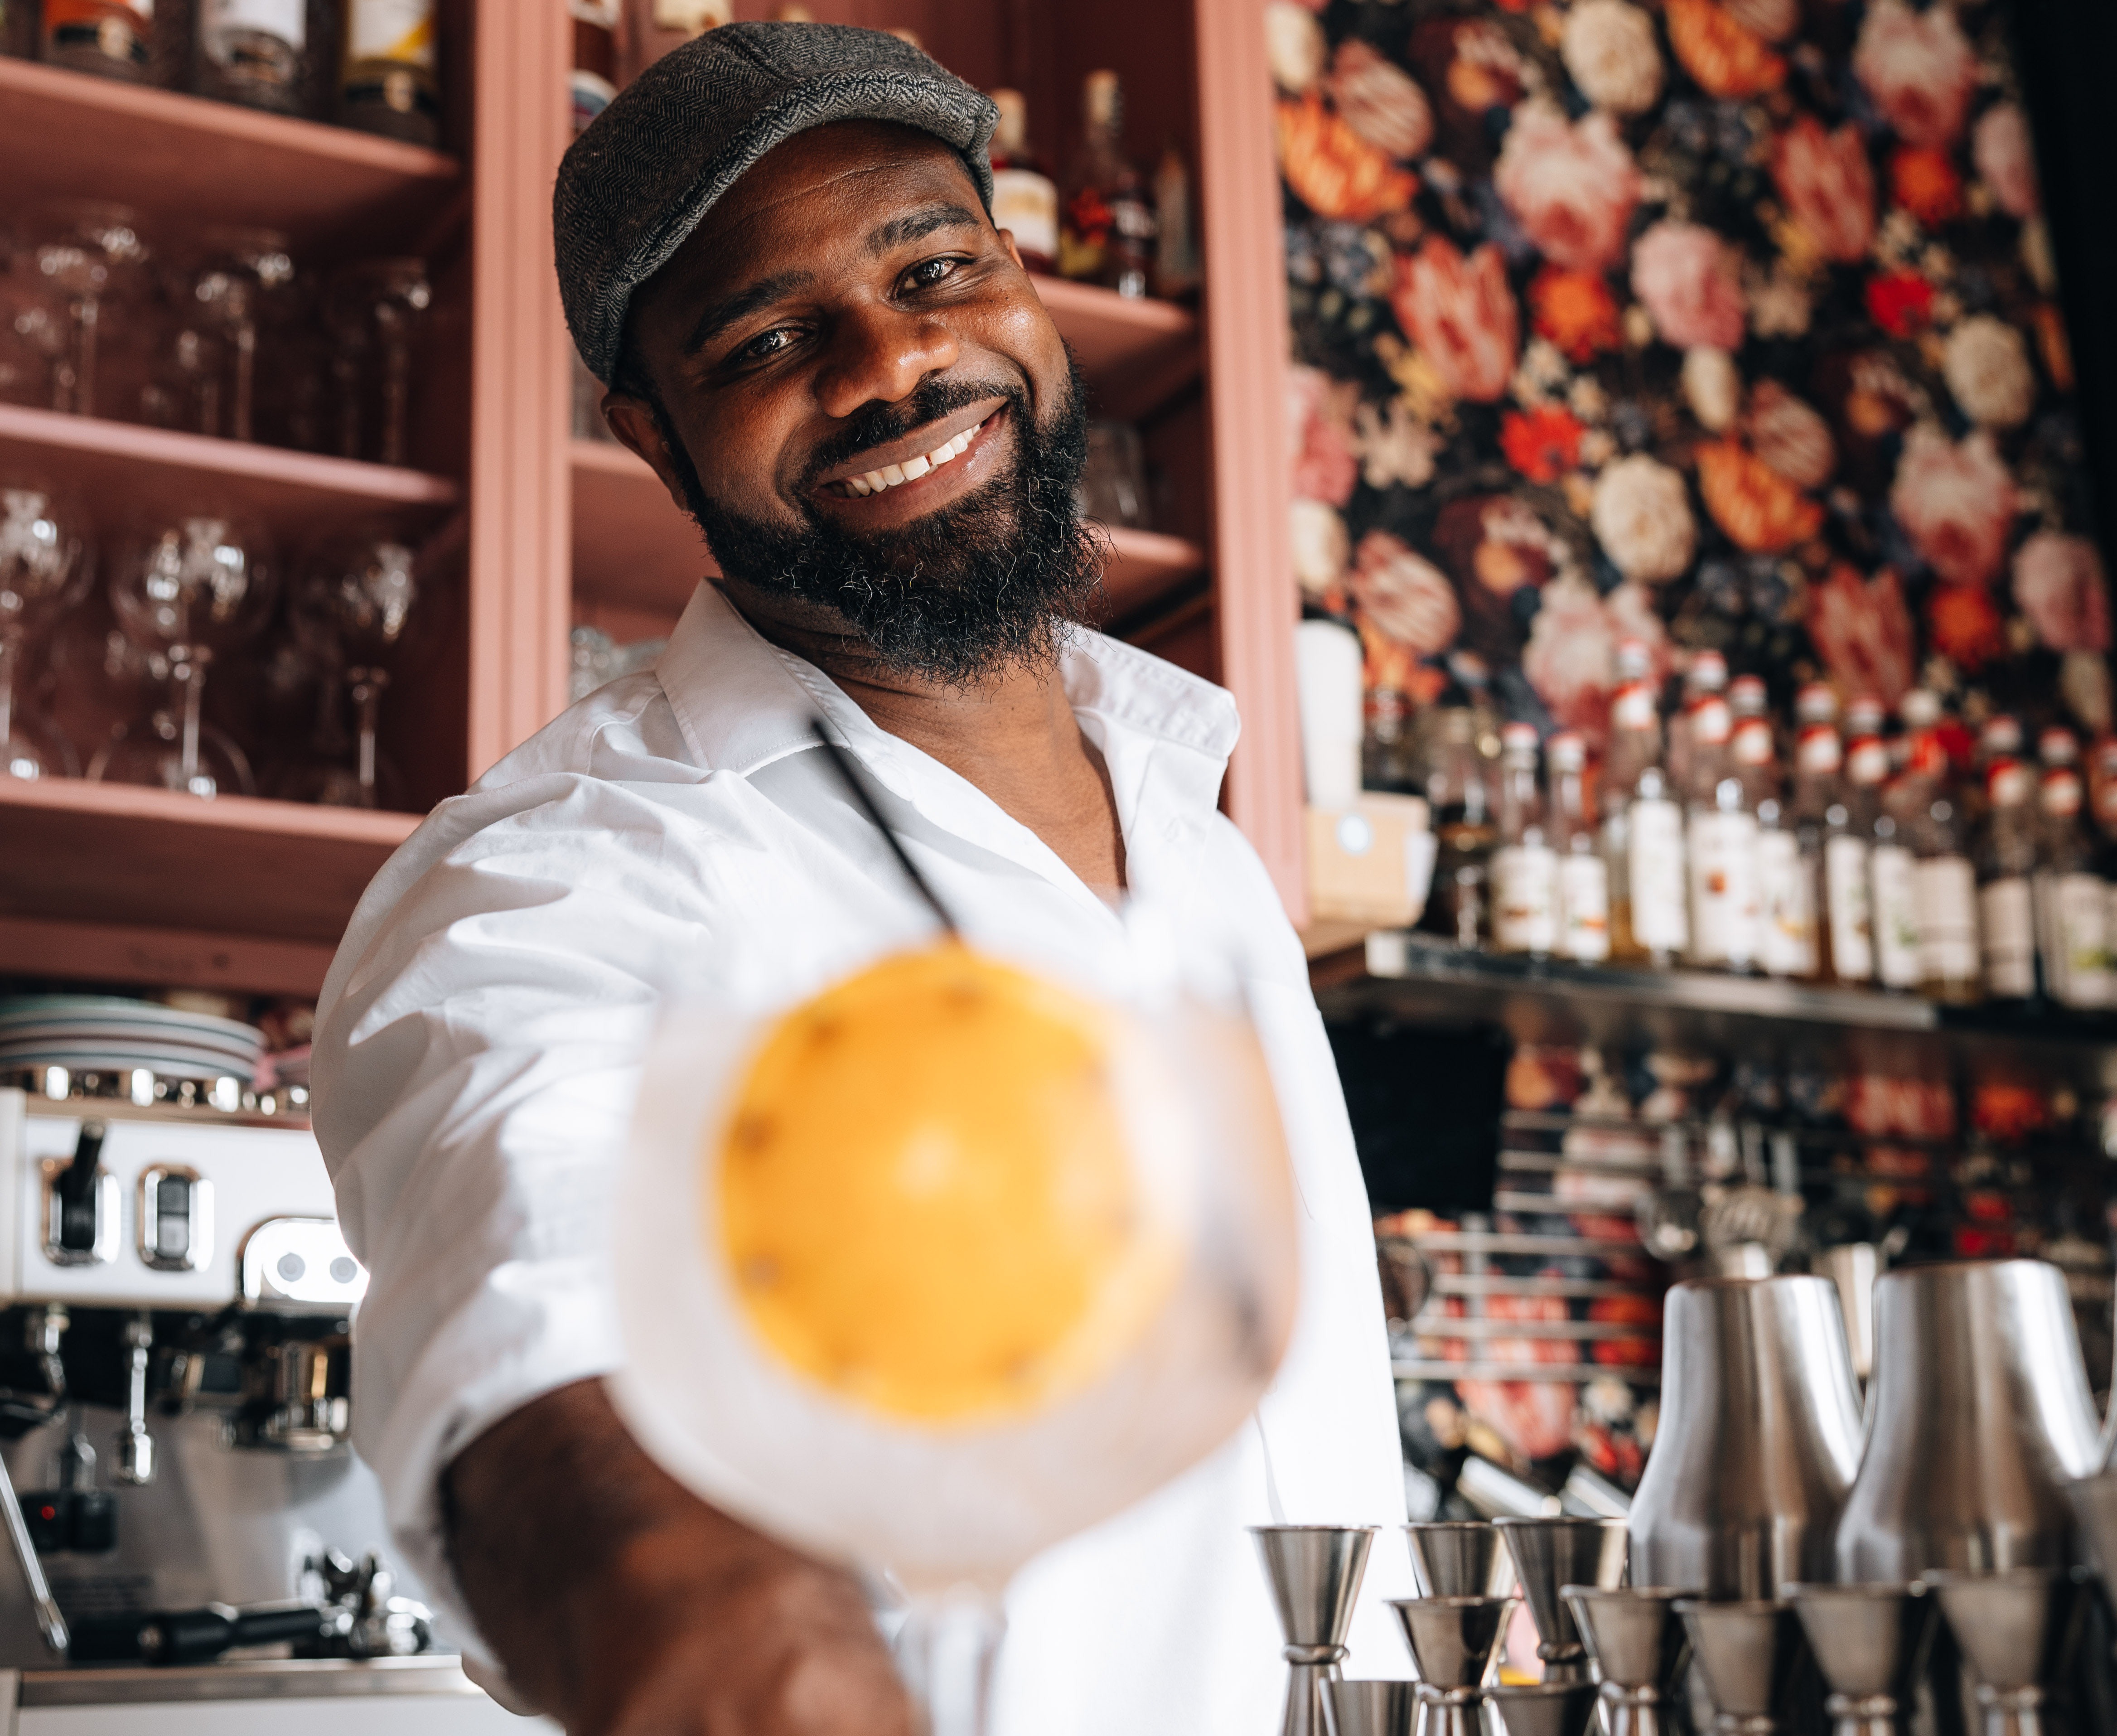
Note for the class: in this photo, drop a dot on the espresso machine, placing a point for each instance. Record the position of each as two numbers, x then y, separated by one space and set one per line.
175 1406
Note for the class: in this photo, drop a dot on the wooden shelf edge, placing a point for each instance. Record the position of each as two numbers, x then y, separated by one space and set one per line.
179 112
1063 297
384 484
124 802
168 957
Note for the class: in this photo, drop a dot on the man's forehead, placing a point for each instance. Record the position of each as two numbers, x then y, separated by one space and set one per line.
882 166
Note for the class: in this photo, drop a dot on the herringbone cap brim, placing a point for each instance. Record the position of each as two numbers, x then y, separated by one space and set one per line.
635 184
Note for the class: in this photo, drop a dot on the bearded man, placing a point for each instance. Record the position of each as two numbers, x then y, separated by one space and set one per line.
775 247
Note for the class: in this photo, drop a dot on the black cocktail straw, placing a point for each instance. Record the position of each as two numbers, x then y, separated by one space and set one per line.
841 763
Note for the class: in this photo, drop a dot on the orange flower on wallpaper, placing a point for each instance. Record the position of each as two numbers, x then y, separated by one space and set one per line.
1543 444
1461 314
1965 625
1334 171
1758 509
1726 60
1925 183
1575 311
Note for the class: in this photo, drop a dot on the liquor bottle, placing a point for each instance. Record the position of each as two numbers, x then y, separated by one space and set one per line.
1525 867
1107 225
1389 759
1583 877
388 86
1944 885
2102 791
1892 863
1785 877
592 84
1634 744
1176 269
2006 866
1817 760
1458 795
1847 834
1025 199
2071 905
113 38
255 52
1721 832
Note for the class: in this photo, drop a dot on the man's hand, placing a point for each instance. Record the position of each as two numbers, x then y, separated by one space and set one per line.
626 1606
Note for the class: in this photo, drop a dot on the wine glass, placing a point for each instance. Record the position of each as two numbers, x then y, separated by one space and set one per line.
374 311
44 568
90 253
33 337
894 1427
243 271
188 591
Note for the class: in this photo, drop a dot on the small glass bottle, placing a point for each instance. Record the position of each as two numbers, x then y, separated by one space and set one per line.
1024 200
1389 757
1458 795
1176 268
2071 905
1848 899
1635 743
1583 877
114 38
388 84
1944 884
1893 875
1720 833
1525 867
1107 225
592 85
1817 760
255 52
1786 882
2006 870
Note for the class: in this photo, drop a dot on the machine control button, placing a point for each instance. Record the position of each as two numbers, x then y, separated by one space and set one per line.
176 1218
301 1265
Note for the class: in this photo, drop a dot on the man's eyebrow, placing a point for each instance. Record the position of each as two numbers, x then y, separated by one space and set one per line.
925 221
746 300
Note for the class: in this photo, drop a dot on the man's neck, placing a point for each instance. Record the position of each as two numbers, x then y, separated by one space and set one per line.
1012 734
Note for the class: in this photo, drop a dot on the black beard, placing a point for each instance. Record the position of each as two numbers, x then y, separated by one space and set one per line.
963 595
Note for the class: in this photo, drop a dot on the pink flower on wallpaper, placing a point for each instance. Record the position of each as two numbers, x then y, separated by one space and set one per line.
1404 595
1956 501
1570 185
1380 100
1461 314
2006 161
1791 436
1919 68
2057 582
1691 283
1571 654
1863 631
1828 187
1319 439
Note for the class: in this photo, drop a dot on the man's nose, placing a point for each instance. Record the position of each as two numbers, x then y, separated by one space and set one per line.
878 354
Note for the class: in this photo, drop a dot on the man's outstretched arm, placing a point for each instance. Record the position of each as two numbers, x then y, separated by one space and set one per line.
625 1605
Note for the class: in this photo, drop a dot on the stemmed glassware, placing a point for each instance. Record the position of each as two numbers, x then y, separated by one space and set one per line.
90 253
44 568
375 310
184 592
242 270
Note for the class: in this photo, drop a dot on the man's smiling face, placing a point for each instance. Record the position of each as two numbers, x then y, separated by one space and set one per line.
847 377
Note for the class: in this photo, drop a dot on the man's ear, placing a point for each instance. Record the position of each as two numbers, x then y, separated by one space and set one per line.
634 422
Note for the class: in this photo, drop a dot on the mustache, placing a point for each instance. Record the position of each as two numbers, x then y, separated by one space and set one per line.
879 424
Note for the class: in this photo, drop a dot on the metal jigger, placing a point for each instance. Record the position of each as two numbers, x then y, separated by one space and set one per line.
1548 1554
1747 1651
1454 1641
1460 1558
1372 1708
1315 1571
1539 1709
1636 1644
2015 1628
1869 1641
2095 1504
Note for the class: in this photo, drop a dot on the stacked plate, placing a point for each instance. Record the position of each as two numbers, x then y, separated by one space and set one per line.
103 1033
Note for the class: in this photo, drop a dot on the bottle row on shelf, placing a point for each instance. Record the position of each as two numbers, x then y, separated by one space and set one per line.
1921 860
367 64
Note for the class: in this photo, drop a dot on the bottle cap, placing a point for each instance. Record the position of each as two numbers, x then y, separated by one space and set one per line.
1818 750
1518 738
1745 693
2000 738
1817 703
2007 783
2105 756
1753 742
1919 708
1867 760
2060 794
1634 659
2057 746
1566 751
1864 715
1710 721
1708 672
1010 136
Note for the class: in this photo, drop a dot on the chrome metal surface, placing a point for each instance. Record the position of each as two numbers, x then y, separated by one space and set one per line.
277 1678
1758 1440
1454 1644
1635 1641
1315 1571
1746 1651
1371 1708
2015 1627
1549 1553
1869 1641
1460 1558
2094 1501
49 1622
1982 1414
1494 1494
1539 1709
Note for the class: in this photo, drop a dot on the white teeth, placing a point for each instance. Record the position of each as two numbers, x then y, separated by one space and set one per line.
912 468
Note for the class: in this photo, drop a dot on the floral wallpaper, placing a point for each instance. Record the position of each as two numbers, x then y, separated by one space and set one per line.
1725 323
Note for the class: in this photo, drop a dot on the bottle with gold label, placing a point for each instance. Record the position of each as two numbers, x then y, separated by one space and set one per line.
1107 226
257 52
1025 199
389 84
115 38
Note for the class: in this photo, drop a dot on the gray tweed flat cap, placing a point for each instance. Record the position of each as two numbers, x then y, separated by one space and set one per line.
634 186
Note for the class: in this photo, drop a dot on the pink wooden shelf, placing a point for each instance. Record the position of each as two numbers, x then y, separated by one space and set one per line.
1135 351
633 551
144 470
184 160
120 854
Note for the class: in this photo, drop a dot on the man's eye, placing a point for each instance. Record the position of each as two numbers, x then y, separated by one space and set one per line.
765 344
928 272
